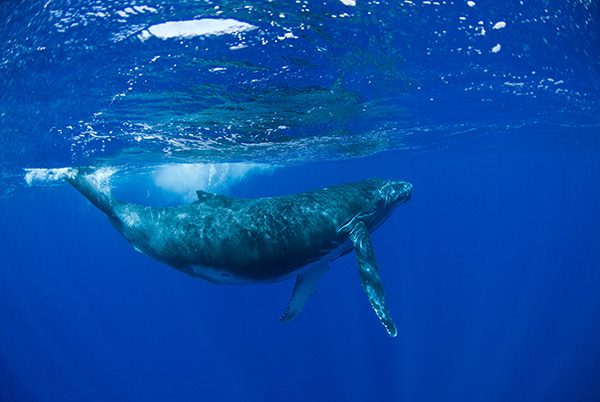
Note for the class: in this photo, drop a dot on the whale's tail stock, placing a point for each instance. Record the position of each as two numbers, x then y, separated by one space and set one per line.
92 184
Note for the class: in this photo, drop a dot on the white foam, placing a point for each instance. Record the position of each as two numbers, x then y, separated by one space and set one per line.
499 25
45 176
144 35
143 9
496 48
350 3
181 179
287 35
184 179
471 3
100 178
202 27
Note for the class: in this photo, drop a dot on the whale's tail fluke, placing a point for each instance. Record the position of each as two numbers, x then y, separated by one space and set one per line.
89 183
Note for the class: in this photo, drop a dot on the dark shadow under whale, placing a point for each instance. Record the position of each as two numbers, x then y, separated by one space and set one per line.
239 241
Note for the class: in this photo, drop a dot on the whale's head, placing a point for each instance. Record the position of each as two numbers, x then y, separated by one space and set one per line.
385 197
378 199
393 193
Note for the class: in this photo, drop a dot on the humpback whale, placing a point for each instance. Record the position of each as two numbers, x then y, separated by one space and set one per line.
227 240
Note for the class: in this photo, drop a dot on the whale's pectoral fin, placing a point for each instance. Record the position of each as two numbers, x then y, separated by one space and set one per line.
306 285
369 275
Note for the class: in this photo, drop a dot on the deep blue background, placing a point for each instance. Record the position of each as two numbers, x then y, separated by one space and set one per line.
492 272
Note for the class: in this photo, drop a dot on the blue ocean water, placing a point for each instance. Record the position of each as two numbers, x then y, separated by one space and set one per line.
492 270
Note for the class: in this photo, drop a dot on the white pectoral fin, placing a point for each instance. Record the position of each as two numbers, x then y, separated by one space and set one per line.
368 271
139 250
306 285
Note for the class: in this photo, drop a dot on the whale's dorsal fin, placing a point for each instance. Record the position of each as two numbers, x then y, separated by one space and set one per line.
223 200
368 270
205 196
306 285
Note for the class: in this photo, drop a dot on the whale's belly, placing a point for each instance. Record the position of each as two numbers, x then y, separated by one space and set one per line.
225 276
